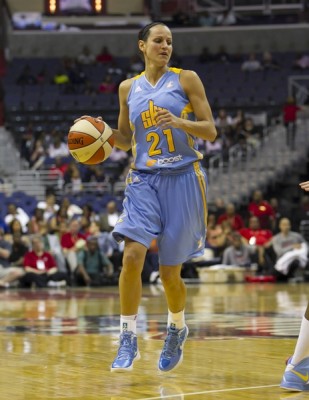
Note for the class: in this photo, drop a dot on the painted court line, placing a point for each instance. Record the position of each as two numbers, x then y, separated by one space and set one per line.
209 391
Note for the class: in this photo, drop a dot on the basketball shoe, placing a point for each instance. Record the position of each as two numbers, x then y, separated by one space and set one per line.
296 377
172 353
127 352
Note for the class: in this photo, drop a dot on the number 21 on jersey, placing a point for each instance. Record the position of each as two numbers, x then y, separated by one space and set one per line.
154 139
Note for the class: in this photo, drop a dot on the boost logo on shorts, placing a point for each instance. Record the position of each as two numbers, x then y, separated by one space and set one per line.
164 161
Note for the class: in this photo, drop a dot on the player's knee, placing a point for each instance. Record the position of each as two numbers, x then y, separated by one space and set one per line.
132 262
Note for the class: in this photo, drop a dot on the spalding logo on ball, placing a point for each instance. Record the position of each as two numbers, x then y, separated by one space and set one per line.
90 141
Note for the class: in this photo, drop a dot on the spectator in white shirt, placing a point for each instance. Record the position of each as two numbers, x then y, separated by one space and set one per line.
19 214
213 148
58 148
86 57
223 120
49 206
118 155
108 220
252 64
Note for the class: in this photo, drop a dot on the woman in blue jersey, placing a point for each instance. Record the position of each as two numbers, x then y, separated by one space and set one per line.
162 110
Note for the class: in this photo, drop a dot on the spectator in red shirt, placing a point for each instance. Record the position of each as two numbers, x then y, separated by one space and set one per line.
257 238
254 234
41 268
71 242
290 110
235 220
105 56
107 85
261 209
58 169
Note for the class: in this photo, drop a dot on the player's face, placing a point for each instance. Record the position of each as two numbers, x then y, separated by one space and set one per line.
158 46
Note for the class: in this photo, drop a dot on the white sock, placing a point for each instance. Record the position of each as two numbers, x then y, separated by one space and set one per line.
176 320
302 345
128 323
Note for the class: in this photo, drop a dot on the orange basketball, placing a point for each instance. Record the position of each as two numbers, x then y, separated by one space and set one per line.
89 141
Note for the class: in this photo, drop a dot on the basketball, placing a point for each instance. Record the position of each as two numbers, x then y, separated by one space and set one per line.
90 141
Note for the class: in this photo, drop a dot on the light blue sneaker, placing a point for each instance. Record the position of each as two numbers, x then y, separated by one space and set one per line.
296 377
172 353
127 352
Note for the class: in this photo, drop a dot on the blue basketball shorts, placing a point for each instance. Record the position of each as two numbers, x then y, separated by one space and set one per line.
168 205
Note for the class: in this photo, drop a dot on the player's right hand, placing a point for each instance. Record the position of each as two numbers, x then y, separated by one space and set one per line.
305 186
97 119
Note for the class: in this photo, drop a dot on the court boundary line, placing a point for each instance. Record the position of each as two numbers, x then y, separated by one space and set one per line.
209 391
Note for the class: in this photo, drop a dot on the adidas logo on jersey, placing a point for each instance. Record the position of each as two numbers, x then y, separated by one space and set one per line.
138 89
136 179
170 84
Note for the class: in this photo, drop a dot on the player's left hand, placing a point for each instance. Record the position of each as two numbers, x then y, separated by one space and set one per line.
165 118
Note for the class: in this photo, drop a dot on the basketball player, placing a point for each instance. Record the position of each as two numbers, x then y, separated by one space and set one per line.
162 110
296 375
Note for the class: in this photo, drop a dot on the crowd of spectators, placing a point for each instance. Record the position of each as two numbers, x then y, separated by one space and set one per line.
60 244
234 129
72 74
49 152
260 236
252 62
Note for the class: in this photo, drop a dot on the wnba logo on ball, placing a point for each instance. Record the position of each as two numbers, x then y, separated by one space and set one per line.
76 141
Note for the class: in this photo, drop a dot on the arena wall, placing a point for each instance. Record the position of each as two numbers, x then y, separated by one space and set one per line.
188 41
26 6
125 7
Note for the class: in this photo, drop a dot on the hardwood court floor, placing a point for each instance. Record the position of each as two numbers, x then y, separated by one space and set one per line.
59 344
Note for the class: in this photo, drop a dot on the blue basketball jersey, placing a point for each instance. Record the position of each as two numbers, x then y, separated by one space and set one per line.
154 148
